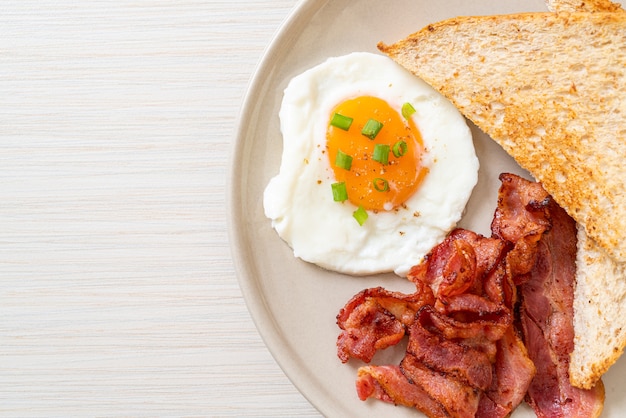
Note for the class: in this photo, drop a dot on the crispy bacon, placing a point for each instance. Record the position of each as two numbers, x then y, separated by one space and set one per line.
544 259
459 263
522 209
476 330
389 384
436 352
453 329
547 321
512 373
521 218
464 356
481 311
375 319
459 399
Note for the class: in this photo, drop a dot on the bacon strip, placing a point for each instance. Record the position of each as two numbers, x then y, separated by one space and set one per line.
444 355
375 319
389 384
453 330
477 332
521 218
459 263
546 317
512 373
464 356
459 399
547 291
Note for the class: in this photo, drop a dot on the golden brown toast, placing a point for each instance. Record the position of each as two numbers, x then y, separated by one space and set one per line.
548 87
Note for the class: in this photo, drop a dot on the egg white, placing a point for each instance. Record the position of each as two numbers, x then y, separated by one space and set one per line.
299 200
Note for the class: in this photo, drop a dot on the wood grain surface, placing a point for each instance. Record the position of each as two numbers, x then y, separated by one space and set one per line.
118 294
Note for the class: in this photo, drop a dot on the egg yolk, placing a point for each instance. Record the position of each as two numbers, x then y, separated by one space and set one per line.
383 171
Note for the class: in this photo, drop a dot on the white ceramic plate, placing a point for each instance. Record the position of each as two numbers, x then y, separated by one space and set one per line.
293 303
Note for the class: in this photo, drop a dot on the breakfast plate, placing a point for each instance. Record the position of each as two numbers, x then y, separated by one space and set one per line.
294 303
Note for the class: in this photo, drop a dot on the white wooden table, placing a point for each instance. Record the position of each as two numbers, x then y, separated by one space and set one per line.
118 296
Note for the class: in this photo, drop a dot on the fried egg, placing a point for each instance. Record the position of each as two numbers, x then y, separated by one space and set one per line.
376 168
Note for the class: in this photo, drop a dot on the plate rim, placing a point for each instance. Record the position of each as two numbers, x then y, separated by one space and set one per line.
270 336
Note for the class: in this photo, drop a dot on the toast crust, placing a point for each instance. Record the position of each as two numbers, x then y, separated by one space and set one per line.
583 6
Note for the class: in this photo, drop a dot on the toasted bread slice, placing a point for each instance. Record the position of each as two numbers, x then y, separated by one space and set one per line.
600 328
548 89
583 6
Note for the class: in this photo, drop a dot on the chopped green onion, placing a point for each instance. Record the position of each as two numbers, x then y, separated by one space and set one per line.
360 215
407 110
340 121
343 160
380 184
381 153
371 128
399 149
340 193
